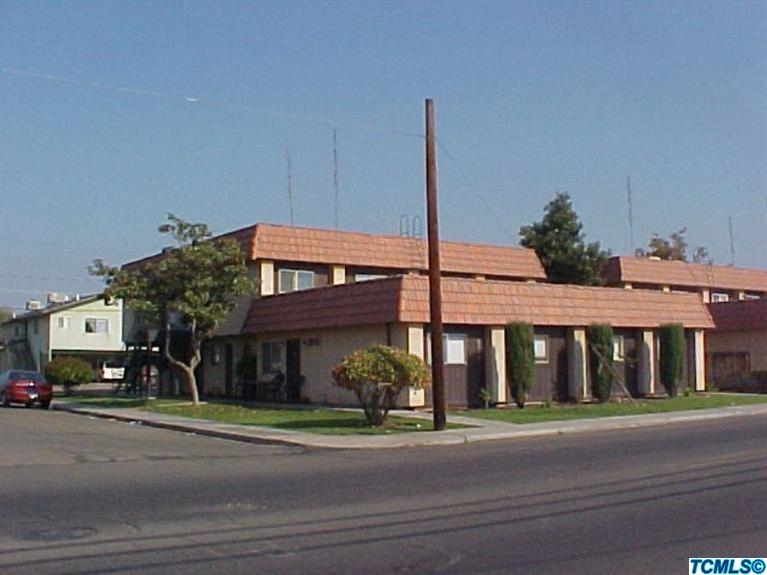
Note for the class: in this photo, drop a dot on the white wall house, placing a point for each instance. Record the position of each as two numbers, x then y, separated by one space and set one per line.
88 327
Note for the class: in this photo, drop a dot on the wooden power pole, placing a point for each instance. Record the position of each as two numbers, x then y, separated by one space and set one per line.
435 273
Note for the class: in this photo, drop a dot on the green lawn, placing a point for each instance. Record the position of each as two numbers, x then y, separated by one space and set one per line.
541 413
309 420
352 422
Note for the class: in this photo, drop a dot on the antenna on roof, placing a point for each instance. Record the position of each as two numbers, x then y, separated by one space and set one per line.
404 226
417 229
631 213
289 167
732 241
408 231
335 177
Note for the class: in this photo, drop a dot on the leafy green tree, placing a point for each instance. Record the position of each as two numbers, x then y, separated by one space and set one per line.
377 375
520 360
674 248
194 284
559 242
5 314
600 337
68 372
672 347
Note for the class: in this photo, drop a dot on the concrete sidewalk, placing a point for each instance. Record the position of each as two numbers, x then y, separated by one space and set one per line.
480 430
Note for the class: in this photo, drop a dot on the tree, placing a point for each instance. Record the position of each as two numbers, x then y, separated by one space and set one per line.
672 346
194 284
520 360
377 375
674 248
559 242
5 314
68 372
600 338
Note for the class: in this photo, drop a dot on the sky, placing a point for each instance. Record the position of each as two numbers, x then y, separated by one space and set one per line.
114 114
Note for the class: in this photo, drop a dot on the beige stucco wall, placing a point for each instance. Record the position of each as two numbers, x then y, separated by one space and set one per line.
318 360
495 363
577 366
752 341
320 351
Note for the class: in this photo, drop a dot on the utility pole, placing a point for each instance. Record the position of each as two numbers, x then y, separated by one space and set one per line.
435 273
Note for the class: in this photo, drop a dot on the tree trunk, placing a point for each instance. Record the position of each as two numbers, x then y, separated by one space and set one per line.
187 370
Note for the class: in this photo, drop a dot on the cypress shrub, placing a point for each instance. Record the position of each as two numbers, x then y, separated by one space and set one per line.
520 360
600 338
672 346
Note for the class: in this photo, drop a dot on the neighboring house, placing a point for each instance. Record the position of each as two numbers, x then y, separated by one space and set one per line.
302 335
737 348
88 327
714 284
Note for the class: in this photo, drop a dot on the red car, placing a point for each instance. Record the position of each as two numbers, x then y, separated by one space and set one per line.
27 387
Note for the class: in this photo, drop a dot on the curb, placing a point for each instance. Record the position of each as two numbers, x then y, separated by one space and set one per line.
481 431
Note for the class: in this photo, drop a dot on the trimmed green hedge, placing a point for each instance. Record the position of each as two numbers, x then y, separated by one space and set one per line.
672 347
600 338
520 360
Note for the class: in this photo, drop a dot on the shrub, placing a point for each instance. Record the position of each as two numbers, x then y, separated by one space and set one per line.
672 346
520 360
600 338
247 368
68 372
377 375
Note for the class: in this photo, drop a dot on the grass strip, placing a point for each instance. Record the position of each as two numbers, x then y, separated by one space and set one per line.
309 420
563 412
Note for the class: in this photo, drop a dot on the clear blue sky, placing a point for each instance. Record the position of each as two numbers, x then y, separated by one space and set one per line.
114 113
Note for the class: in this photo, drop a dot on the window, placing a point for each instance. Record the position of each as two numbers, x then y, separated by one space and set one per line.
215 354
96 325
273 353
35 327
294 280
541 348
454 345
719 297
618 353
63 322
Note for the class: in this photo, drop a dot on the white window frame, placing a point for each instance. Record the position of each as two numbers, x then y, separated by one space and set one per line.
454 345
619 343
541 348
97 323
62 322
295 280
268 363
719 297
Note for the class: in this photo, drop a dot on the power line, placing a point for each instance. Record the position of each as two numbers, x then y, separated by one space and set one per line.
196 100
473 188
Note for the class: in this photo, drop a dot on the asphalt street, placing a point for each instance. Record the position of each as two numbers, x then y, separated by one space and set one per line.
86 496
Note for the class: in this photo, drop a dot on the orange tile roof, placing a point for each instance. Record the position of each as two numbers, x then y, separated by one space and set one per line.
364 303
312 245
682 274
740 315
471 302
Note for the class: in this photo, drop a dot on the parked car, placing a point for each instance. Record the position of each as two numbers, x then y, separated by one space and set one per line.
27 387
